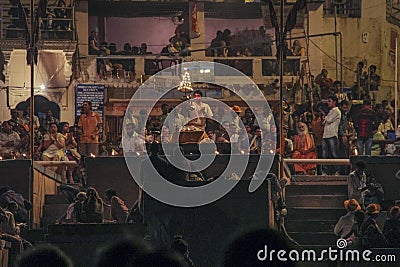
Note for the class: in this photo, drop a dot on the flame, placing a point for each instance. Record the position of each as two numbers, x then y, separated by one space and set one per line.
92 155
355 152
113 152
1 158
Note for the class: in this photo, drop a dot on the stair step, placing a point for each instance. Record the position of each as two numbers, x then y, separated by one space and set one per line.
34 236
312 213
320 238
334 201
54 210
317 189
46 221
310 226
55 199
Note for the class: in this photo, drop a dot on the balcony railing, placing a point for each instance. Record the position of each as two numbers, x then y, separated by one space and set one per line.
122 67
351 8
59 24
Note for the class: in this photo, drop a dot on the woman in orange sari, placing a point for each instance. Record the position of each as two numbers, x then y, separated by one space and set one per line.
304 148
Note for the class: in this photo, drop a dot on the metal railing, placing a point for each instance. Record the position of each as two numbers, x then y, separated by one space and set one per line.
58 25
318 161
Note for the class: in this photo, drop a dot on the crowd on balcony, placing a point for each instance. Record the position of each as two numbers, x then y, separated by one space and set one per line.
55 23
247 43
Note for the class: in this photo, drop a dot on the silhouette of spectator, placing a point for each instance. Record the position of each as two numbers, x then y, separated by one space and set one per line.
94 44
113 48
69 192
7 195
356 181
9 232
372 82
298 49
215 43
226 37
179 42
122 253
343 227
262 43
93 207
161 258
143 49
61 13
119 211
181 246
74 210
135 50
250 249
330 142
127 50
48 120
354 236
391 229
44 256
366 124
371 235
373 192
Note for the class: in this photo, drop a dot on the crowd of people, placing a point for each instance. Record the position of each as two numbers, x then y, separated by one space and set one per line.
53 140
361 226
14 210
333 128
240 251
55 23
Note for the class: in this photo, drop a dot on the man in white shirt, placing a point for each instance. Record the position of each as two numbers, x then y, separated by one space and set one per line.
199 112
132 142
9 142
330 142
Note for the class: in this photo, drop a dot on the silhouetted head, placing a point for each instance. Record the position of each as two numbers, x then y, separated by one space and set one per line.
44 256
253 249
180 245
110 193
161 258
122 253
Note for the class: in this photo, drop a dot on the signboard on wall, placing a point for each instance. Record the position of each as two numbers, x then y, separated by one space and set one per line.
89 92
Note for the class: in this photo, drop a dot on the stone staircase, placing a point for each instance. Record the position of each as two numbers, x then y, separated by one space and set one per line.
315 203
55 206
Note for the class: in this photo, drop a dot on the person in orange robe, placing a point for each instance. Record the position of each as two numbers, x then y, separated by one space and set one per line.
304 148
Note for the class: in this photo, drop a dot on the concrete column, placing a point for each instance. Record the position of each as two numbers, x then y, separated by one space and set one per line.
82 17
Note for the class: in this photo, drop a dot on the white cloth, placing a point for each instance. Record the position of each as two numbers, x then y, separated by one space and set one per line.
198 114
133 144
200 109
331 123
344 225
53 150
8 137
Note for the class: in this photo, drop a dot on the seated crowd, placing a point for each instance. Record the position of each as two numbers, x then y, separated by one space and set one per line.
365 226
